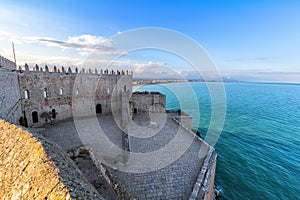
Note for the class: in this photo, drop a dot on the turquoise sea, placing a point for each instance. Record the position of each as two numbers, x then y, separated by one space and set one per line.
259 148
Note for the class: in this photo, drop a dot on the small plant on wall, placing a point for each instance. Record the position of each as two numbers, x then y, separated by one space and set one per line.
23 121
49 116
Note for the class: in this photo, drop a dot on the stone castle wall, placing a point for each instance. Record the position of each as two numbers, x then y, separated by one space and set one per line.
46 92
7 64
60 91
10 102
148 102
44 95
33 168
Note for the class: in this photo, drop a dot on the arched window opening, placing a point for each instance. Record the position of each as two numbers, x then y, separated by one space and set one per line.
35 118
108 91
60 91
77 91
26 94
45 93
124 88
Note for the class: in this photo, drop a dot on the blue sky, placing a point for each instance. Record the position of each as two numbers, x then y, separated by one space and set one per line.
248 40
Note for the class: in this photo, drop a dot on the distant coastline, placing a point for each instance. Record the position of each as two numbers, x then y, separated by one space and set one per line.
162 81
159 81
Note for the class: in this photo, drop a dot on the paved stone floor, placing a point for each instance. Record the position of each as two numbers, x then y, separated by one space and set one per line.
174 181
64 134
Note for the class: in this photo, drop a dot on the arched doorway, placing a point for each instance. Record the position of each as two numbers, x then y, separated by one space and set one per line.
98 109
53 113
135 110
35 118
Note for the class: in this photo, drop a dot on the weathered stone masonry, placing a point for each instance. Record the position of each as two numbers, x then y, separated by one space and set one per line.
33 168
10 104
6 63
42 96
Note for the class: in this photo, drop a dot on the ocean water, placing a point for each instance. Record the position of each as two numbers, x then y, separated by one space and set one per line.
259 148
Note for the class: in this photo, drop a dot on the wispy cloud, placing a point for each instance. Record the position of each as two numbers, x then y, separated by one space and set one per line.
263 75
10 37
31 60
84 44
247 59
87 39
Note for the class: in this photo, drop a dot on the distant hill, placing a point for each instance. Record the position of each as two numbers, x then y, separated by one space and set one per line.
157 81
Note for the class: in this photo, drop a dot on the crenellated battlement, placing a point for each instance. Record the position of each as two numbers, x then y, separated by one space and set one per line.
51 89
69 70
6 63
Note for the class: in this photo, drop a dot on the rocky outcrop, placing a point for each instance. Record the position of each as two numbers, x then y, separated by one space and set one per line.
31 167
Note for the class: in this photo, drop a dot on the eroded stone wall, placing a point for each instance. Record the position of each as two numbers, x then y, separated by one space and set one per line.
10 102
34 168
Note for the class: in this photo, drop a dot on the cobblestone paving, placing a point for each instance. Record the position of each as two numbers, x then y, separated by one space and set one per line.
64 134
172 182
175 181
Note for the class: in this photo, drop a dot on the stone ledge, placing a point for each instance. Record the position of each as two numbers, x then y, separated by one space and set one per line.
203 181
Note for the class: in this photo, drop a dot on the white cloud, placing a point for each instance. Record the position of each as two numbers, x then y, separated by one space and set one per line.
150 66
10 37
31 60
103 56
4 35
83 44
87 39
155 70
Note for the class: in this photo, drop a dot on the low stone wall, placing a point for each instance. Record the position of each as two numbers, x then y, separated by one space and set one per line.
211 179
31 167
111 178
204 185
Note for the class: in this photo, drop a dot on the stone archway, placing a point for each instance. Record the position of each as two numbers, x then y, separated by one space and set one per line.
35 118
98 109
53 113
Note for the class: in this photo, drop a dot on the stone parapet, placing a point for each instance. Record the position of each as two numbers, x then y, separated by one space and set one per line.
6 63
33 168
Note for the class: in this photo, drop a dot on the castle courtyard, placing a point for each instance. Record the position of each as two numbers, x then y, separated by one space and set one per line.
175 181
